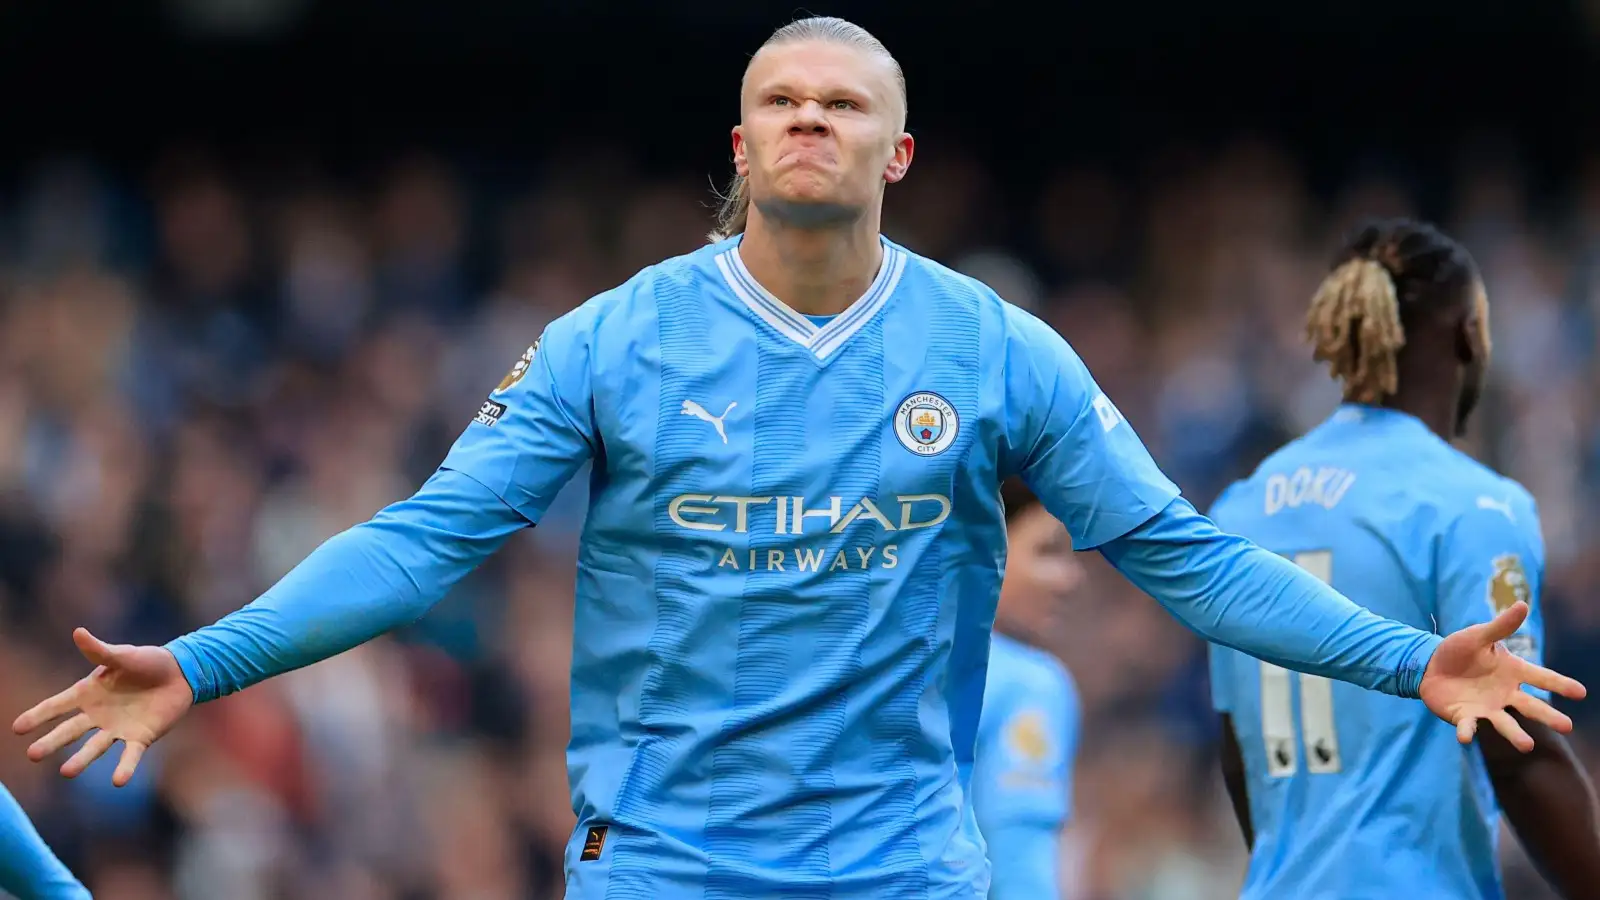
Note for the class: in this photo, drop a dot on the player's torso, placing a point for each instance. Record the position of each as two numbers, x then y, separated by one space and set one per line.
1355 794
787 577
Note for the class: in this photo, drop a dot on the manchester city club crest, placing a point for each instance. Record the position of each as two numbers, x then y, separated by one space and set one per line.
926 423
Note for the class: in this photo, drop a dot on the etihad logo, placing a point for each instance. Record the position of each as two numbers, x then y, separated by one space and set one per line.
722 512
797 518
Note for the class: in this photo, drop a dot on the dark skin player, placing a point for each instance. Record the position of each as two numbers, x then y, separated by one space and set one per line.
1430 362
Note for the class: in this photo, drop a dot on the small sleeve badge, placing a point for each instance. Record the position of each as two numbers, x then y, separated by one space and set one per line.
1027 738
519 369
1508 583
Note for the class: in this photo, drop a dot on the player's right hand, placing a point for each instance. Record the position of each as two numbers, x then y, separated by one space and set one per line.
135 695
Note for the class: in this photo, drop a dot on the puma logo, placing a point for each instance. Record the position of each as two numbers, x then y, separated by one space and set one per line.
691 408
1503 506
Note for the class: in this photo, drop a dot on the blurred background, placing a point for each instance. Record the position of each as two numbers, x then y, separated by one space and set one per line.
261 259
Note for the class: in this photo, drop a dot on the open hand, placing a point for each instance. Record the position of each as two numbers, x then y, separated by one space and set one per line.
1472 676
134 695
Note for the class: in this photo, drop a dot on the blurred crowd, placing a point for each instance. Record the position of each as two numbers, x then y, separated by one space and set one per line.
206 371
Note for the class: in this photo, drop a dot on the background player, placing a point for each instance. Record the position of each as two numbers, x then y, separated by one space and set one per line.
28 870
1347 793
1028 733
781 632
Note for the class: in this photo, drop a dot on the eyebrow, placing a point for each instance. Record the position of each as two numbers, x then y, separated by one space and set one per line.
787 89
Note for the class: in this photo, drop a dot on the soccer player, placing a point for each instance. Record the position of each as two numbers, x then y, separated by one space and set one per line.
1348 793
789 569
28 870
1028 730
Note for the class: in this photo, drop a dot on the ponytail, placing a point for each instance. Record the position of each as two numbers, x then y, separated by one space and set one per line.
1354 326
734 213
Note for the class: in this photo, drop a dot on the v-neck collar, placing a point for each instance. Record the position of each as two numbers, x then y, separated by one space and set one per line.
822 340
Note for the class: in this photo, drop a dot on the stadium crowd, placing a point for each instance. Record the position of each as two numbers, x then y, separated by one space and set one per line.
205 371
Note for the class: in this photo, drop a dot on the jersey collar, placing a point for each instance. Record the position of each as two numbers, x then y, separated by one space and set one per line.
1393 420
824 340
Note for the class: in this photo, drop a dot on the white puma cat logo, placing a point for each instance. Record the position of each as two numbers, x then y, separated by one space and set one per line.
1503 506
691 408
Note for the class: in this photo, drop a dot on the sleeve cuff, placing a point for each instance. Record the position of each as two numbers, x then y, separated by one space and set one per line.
193 672
1415 665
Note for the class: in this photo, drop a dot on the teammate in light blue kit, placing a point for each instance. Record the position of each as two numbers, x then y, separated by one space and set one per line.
1028 732
794 539
1348 794
28 870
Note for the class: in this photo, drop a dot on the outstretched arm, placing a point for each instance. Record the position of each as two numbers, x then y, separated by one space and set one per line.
1083 460
359 584
1234 593
526 441
1081 457
373 578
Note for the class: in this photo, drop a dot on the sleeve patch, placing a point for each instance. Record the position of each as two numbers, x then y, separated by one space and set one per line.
1027 738
1508 583
489 413
518 369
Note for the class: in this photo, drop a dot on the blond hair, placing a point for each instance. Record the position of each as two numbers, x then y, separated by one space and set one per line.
734 212
1354 326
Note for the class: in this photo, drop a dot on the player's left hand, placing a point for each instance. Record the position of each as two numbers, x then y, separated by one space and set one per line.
1472 676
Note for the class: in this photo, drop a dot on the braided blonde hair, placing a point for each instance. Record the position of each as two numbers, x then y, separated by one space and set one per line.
1354 326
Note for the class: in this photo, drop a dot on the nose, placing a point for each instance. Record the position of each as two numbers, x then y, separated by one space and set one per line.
809 119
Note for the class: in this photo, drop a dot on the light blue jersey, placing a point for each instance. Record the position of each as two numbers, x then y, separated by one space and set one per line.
780 681
789 570
1355 795
1022 776
28 870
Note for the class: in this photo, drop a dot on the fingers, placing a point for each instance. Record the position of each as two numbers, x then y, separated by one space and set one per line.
60 736
95 650
132 752
1465 729
1504 625
1550 680
53 708
1531 707
92 749
1510 730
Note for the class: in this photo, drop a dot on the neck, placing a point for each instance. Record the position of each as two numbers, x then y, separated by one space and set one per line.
1434 407
814 271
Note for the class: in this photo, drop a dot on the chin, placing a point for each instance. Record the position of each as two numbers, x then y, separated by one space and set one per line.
809 202
801 201
807 190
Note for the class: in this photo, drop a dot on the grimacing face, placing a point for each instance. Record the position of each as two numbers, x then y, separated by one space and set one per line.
823 131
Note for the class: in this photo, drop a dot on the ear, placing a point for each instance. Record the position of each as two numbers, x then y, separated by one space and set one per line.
1472 338
741 160
904 148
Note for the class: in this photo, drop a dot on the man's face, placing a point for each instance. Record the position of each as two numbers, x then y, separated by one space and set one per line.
822 132
1041 571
